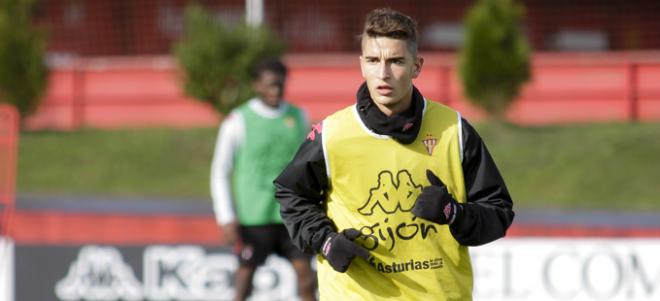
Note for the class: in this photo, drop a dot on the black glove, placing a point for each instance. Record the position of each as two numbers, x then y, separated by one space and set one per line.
435 203
339 249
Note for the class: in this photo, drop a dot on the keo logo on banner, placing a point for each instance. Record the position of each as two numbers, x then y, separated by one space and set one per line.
170 273
187 273
99 273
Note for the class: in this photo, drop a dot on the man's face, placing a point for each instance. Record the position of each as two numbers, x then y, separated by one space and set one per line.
269 87
389 67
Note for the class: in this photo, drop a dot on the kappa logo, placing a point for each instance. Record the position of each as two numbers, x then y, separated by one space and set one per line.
447 210
392 194
99 273
186 272
316 129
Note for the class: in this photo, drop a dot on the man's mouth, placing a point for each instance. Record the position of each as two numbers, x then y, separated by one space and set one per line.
384 89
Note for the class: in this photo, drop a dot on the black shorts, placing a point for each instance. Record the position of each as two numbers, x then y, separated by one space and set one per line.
260 241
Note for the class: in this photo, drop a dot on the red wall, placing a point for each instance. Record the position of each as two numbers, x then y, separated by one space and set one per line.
66 228
8 149
146 91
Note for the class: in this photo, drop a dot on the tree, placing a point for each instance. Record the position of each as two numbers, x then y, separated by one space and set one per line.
23 71
494 61
216 58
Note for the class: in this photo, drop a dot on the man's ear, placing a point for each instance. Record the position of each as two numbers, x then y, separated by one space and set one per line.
417 67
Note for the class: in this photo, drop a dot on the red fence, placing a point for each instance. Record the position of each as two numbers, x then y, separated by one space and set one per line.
111 27
145 91
109 93
52 227
8 144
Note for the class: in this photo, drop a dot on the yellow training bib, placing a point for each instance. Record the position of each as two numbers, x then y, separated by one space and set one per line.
374 182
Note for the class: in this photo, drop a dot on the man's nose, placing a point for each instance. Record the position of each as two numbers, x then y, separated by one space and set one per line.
277 89
383 70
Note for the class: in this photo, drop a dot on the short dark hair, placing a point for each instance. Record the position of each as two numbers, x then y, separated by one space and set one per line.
272 64
386 22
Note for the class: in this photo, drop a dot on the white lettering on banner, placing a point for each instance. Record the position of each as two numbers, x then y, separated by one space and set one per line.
510 269
567 269
99 273
170 273
187 273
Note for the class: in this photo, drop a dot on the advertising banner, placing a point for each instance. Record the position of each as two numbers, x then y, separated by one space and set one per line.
567 269
6 269
156 272
509 269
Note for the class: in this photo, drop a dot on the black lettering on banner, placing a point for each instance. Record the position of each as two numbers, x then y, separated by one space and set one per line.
595 289
167 271
586 282
638 269
603 275
549 285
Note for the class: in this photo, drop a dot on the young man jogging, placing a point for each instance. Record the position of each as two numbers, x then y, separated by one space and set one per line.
391 191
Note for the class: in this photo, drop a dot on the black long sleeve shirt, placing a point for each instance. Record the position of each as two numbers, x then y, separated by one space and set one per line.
301 187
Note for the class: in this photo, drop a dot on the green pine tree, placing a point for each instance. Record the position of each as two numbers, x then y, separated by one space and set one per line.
494 61
216 58
23 71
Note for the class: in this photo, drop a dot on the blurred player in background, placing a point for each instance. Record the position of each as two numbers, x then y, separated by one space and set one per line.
402 182
254 144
